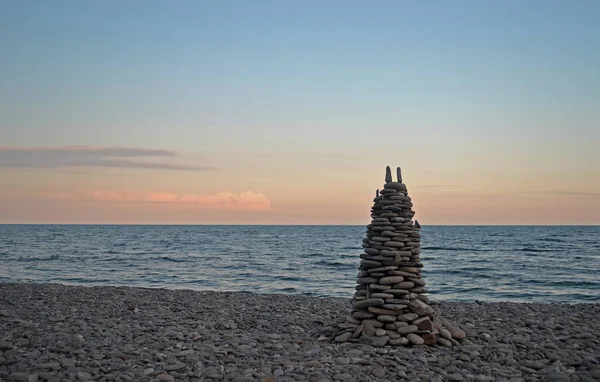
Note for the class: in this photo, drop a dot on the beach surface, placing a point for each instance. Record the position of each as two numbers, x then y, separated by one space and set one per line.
60 333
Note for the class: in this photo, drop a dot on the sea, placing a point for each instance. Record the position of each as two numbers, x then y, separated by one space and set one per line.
461 263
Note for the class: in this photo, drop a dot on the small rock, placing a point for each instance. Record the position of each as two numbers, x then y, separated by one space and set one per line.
558 376
455 377
83 376
165 377
379 372
380 332
407 329
444 342
344 337
415 339
67 362
175 366
343 360
5 345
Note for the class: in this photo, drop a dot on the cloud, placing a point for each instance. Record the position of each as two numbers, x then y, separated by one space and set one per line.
575 193
85 156
226 200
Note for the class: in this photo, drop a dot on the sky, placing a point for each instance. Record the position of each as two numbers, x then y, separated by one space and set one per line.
287 112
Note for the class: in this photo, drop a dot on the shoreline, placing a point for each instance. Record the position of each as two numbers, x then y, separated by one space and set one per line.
59 332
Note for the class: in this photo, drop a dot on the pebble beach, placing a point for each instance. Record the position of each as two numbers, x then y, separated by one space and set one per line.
52 332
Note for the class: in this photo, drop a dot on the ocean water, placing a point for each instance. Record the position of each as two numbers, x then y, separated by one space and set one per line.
488 263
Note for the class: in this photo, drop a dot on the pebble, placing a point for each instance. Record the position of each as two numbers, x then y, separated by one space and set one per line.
122 345
165 377
407 329
415 339
175 366
379 372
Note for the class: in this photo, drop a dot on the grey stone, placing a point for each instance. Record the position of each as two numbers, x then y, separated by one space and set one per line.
420 308
379 372
415 339
175 366
344 337
368 302
407 329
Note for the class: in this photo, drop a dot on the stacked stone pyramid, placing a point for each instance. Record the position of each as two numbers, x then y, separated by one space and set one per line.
390 306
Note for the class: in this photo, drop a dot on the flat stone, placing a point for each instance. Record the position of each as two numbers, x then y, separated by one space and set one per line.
420 308
407 329
83 376
386 318
175 366
374 323
404 274
444 342
396 291
5 345
366 280
381 295
397 301
369 330
415 339
412 270
375 310
370 264
429 339
445 333
399 341
383 269
558 376
380 239
393 244
388 252
349 319
408 317
67 362
371 251
395 186
394 307
380 332
381 341
423 323
361 314
403 285
344 337
389 280
455 377
368 302
165 377
379 372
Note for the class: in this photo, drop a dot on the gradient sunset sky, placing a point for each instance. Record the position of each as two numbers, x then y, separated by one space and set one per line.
287 112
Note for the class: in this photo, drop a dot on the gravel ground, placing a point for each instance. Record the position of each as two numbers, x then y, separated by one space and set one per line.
61 333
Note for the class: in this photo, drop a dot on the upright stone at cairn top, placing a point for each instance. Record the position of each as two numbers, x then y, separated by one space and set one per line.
390 306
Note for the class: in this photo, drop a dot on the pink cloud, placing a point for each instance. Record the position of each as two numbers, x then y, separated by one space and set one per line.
226 200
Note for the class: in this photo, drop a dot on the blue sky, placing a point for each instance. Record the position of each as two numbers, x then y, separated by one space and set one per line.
466 86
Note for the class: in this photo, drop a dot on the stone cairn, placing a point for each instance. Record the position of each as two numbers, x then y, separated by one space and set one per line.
390 306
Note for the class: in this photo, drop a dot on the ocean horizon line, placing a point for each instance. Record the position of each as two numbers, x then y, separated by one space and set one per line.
287 225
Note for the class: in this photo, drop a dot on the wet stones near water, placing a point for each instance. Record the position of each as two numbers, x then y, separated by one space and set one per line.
390 291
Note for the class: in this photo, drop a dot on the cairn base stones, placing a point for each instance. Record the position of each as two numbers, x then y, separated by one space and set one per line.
390 305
